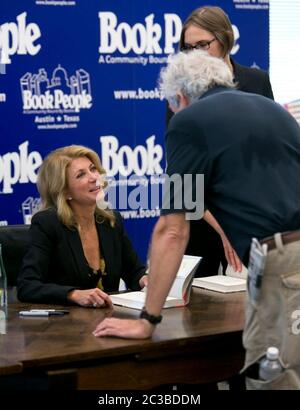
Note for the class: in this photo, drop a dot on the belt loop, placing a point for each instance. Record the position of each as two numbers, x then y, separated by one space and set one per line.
278 242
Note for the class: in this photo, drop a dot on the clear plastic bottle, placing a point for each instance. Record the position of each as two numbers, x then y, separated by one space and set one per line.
3 296
270 367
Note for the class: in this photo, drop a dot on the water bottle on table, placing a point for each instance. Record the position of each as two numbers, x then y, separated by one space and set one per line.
3 296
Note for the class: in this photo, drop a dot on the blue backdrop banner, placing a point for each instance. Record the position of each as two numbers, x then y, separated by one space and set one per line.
85 72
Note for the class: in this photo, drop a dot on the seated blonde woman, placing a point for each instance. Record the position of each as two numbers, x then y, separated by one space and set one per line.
77 252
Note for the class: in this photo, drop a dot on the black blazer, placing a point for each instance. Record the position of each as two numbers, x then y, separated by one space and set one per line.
248 79
252 80
55 263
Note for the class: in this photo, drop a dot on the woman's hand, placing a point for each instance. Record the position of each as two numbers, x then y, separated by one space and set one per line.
231 255
143 281
90 298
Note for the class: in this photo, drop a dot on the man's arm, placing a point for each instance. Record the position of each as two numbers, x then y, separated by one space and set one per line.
169 241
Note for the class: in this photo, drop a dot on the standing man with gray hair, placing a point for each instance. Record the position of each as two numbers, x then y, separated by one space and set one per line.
209 28
248 148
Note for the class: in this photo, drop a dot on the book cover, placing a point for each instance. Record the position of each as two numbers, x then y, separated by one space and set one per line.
179 294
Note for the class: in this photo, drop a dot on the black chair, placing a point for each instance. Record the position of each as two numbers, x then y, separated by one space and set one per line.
14 240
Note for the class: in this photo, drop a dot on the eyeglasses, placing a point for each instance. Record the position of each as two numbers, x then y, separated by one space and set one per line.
200 45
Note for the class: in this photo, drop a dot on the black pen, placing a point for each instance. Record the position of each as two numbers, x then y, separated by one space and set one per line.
56 312
50 310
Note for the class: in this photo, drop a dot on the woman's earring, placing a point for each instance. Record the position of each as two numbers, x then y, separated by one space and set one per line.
70 198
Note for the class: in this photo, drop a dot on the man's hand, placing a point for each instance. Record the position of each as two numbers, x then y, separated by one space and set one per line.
90 298
169 241
130 329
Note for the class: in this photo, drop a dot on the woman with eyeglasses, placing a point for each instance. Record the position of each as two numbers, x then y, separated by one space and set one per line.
209 28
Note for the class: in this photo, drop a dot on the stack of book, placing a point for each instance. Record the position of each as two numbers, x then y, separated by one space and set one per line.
231 282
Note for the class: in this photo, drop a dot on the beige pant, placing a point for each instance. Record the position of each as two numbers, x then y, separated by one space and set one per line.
275 319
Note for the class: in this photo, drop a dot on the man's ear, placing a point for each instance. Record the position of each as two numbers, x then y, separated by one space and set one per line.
182 102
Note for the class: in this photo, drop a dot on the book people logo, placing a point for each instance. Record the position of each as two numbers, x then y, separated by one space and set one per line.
60 95
18 38
141 43
144 42
18 167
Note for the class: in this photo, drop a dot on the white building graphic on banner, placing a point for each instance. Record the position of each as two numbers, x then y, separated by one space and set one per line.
60 92
39 83
29 207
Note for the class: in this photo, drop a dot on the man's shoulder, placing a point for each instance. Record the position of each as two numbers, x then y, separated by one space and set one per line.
210 102
197 113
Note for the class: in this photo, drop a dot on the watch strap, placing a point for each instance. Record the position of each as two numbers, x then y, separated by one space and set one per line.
154 320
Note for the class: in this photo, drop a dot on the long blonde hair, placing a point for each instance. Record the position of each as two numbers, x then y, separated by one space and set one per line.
52 183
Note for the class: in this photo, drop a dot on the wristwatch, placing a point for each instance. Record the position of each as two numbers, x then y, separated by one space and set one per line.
154 320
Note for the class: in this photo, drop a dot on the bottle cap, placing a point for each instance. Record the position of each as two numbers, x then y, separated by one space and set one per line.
272 353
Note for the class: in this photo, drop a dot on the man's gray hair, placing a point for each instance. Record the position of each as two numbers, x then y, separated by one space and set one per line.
193 74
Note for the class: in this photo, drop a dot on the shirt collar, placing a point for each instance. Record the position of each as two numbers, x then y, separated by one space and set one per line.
215 90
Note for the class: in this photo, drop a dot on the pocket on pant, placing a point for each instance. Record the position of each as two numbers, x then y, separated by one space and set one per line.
291 289
288 380
253 329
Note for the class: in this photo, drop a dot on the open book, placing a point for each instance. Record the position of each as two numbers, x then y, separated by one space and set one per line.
231 282
179 294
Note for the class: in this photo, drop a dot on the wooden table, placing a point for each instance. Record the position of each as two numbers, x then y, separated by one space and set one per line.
9 367
200 343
